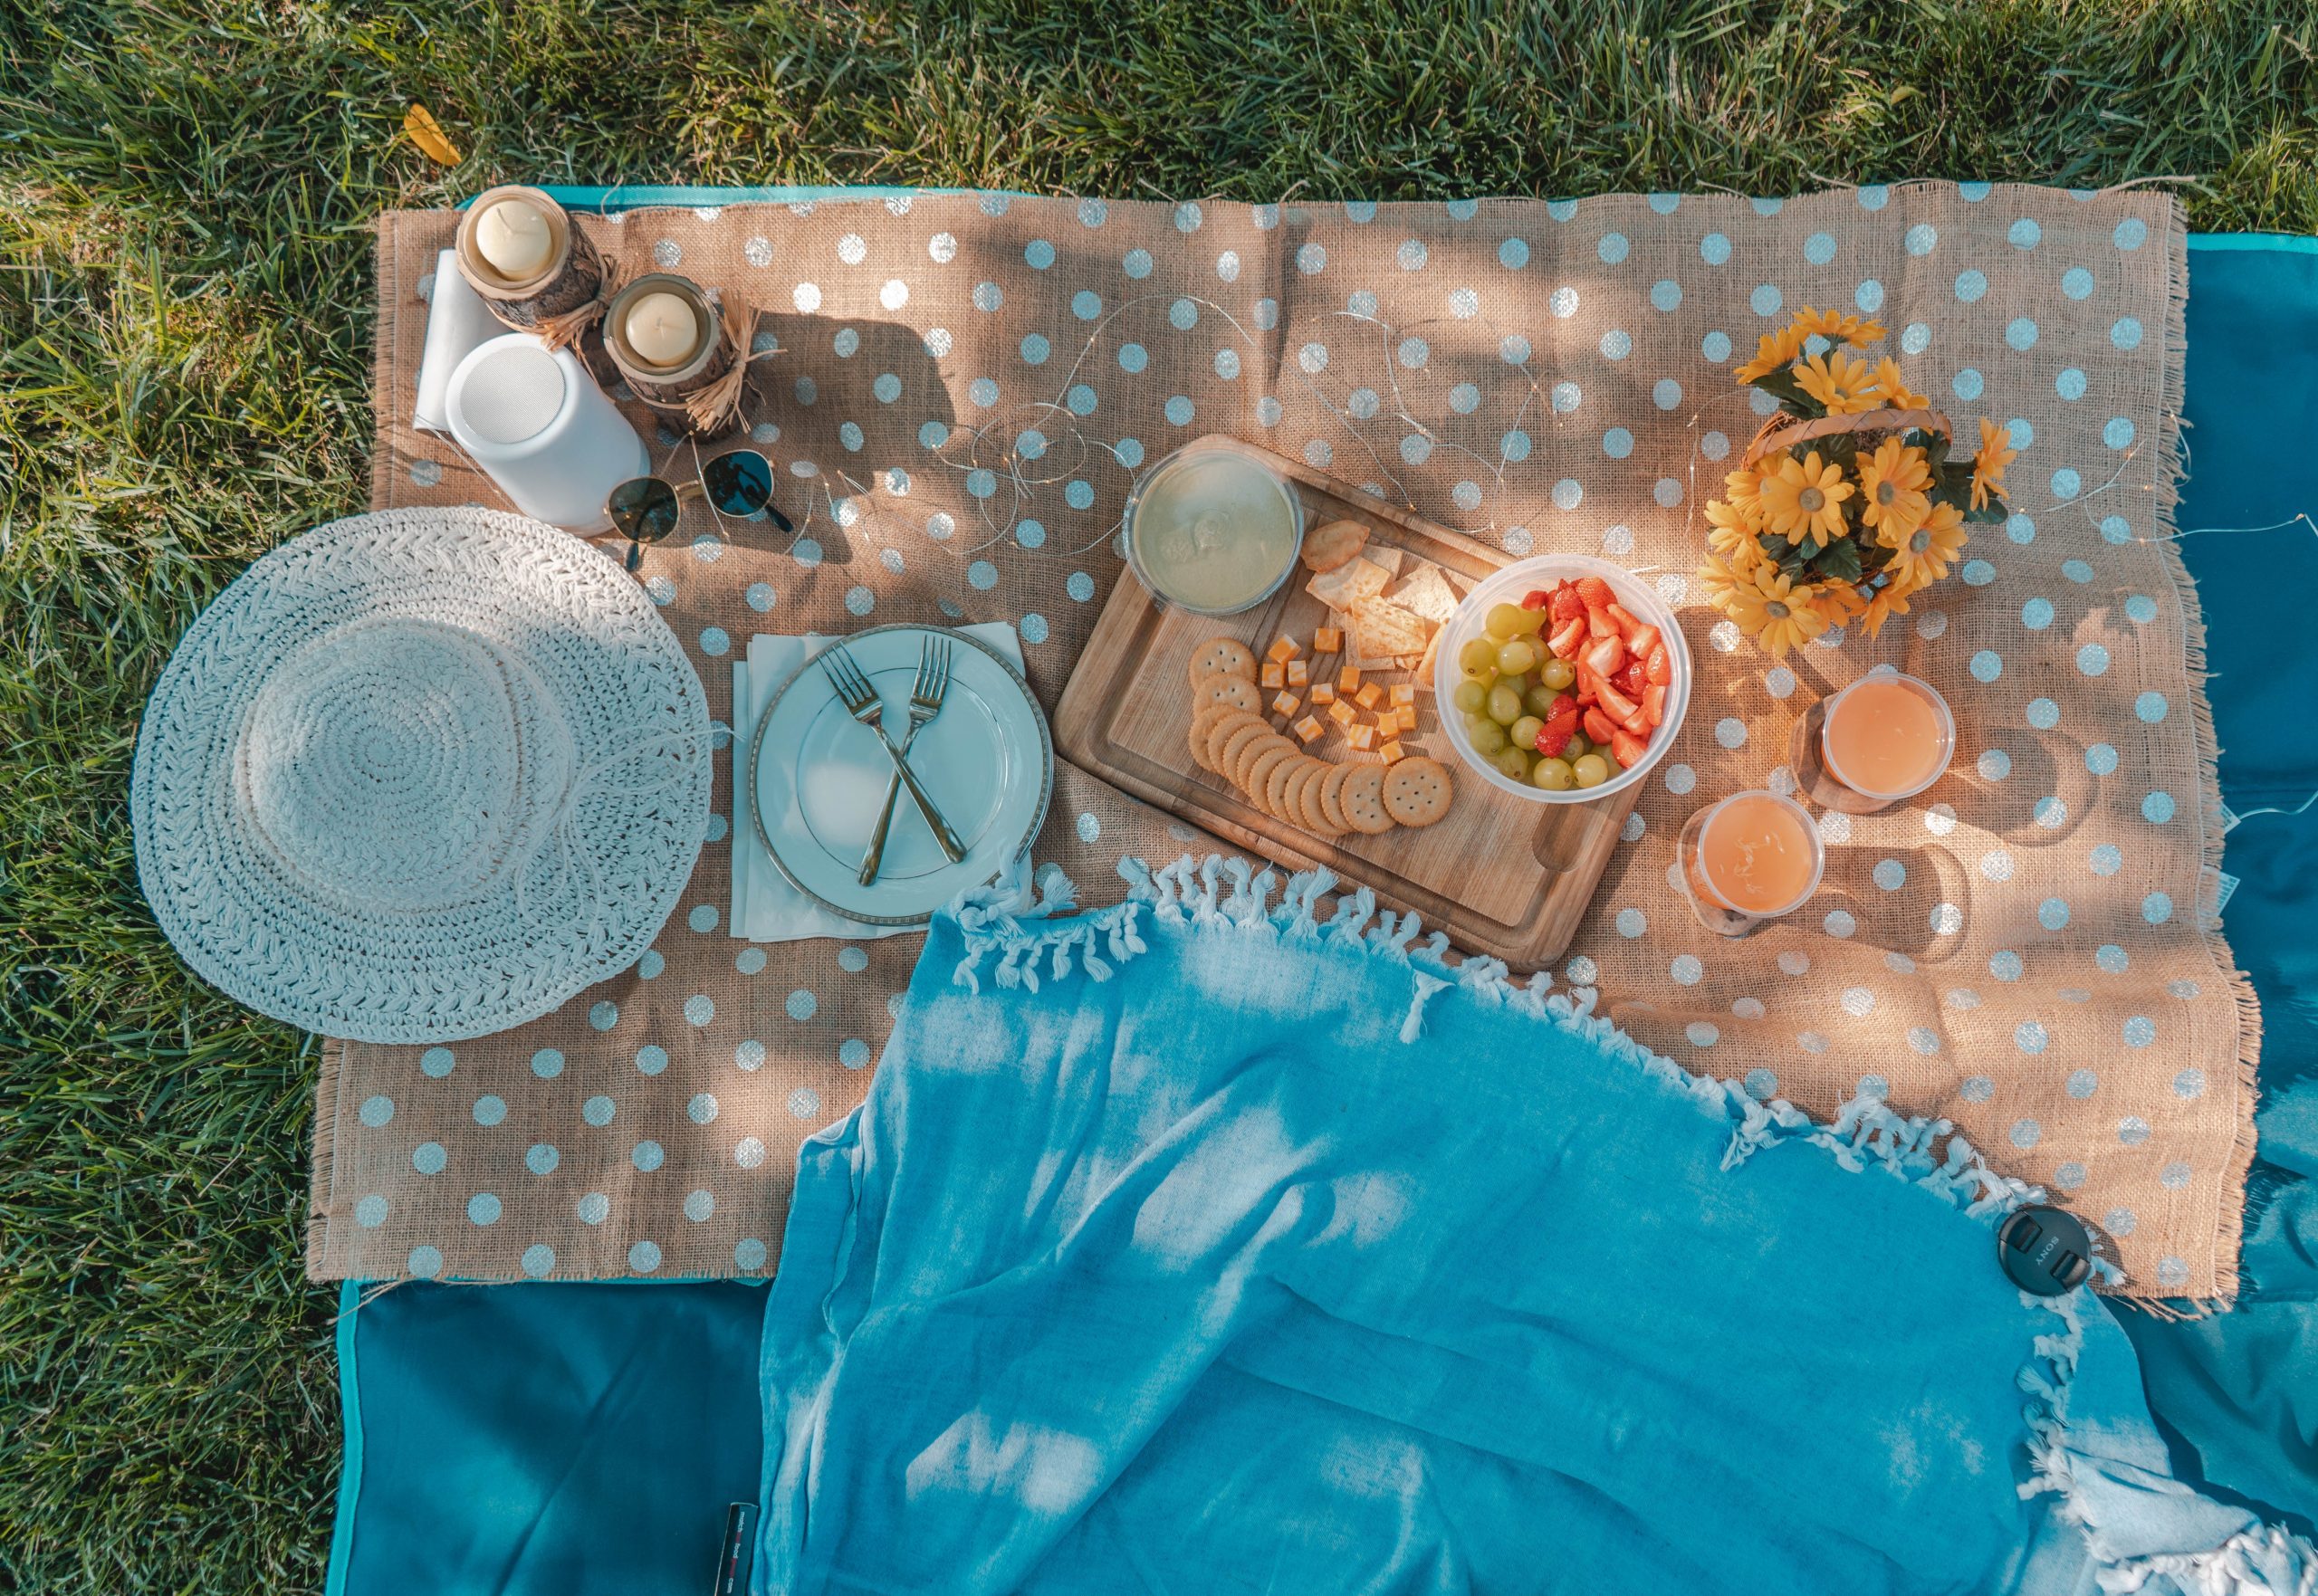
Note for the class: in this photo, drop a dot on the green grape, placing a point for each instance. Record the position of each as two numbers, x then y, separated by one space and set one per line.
1559 674
1533 621
1519 683
1540 700
1469 697
1591 770
1577 745
1478 658
1513 763
1524 731
1485 735
1554 774
1504 705
1516 657
1505 620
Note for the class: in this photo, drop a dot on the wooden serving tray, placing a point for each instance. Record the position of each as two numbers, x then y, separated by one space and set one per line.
1500 875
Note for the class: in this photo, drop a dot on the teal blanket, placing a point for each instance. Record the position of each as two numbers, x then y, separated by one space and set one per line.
1199 1245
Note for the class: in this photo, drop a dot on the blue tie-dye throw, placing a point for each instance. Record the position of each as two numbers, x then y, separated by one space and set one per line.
1198 1245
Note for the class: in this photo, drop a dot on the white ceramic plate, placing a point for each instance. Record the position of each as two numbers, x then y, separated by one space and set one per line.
819 778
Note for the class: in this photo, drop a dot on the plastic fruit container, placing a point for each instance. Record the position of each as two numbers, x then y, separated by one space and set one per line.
1636 595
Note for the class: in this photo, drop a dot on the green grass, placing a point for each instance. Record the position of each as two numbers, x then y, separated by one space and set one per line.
185 192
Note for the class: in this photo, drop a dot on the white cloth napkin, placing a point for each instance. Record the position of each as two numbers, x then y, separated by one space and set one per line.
766 907
457 322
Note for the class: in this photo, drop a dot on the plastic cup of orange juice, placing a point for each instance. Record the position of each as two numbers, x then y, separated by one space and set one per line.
1878 743
1750 857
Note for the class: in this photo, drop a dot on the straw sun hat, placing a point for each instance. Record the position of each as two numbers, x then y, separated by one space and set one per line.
421 775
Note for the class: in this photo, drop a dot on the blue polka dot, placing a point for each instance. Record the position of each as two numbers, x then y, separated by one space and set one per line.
2052 915
1665 294
2026 1133
1136 263
1767 299
2070 384
1968 384
1915 338
1970 285
2157 908
1715 347
1133 358
2019 527
1665 205
1515 445
1040 253
1921 239
2020 333
2005 965
1616 344
2066 484
2105 860
1182 315
1617 443
1986 665
1513 254
801 1004
2076 282
484 1208
2140 608
2024 233
2116 529
1869 296
1819 248
2076 571
1714 249
2101 759
1087 304
1973 193
1766 207
2125 333
1080 399
2044 714
2119 433
2157 809
2151 707
2140 1031
2112 959
1035 349
1978 573
1873 197
1561 210
2093 660
2037 614
2131 233
1612 248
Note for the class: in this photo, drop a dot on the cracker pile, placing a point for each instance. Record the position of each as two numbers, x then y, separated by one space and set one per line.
1390 608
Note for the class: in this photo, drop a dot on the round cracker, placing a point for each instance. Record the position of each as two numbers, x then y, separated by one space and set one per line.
1331 798
1328 546
1222 687
1202 723
1417 791
1226 721
1304 798
1361 799
1243 767
1258 786
1276 784
1229 745
1222 656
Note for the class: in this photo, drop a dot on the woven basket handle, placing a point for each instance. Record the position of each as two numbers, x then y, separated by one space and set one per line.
1787 431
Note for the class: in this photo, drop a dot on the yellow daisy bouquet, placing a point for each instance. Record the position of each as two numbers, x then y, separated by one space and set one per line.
1847 504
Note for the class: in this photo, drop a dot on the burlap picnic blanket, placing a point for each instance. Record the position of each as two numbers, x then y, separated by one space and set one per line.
963 390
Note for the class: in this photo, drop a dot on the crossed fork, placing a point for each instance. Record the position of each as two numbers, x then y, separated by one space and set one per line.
861 699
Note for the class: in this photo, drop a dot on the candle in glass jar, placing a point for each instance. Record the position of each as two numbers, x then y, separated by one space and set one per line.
662 330
513 239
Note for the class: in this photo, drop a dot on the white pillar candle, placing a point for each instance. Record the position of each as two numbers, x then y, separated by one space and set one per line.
662 330
513 238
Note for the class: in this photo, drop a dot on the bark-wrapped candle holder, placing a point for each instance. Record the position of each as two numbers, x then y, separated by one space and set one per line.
701 396
568 294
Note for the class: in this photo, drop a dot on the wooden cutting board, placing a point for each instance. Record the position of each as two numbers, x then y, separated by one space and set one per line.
1500 875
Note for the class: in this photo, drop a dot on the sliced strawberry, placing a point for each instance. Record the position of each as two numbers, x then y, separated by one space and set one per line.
1638 722
1607 657
1563 707
1653 703
1615 704
1536 599
1642 640
1599 727
1553 736
1565 642
1566 605
1630 680
1595 593
1661 668
1598 623
1621 617
1627 749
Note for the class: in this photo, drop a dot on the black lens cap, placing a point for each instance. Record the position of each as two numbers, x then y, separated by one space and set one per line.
2046 1251
739 482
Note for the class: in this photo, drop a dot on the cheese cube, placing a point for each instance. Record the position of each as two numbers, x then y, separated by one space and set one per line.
1392 751
1272 675
1283 649
1328 640
1344 715
1402 692
1370 696
1362 738
1298 672
1285 704
1307 730
1348 679
1323 694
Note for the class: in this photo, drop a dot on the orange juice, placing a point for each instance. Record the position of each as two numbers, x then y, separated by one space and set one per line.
1759 853
1887 736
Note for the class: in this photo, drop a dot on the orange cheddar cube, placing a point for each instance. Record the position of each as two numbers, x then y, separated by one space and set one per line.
1402 692
1272 675
1362 738
1283 649
1392 751
1323 694
1298 672
1370 696
1344 715
1328 640
1285 704
1309 729
1348 679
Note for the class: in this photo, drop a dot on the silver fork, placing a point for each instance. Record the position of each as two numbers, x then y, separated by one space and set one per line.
925 703
860 700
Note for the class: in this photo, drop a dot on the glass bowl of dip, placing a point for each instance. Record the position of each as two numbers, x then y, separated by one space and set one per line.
1212 529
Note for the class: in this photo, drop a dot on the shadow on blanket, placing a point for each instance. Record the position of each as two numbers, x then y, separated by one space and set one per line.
1197 1245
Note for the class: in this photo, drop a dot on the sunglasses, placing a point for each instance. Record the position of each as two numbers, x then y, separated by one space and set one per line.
644 509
